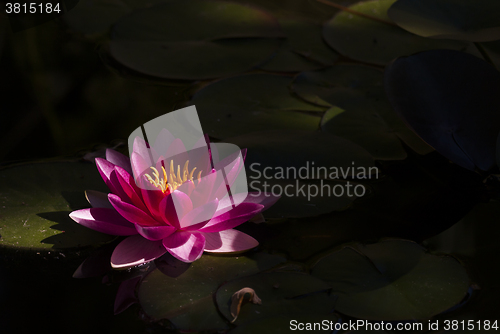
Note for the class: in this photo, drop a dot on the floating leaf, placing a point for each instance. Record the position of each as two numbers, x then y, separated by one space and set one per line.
307 198
187 300
451 100
405 281
35 202
282 293
253 102
92 16
194 40
362 113
304 49
301 153
376 41
475 241
475 21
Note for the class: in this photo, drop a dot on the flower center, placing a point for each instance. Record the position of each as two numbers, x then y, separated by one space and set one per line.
173 181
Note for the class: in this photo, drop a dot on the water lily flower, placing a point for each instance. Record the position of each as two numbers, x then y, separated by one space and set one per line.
179 205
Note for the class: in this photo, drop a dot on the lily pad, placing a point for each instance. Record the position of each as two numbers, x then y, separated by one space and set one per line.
474 240
475 21
392 280
253 102
35 202
359 109
289 151
282 293
195 40
285 324
308 198
187 300
376 41
95 16
304 49
451 100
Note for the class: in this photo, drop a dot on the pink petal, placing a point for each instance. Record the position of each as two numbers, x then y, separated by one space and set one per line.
136 250
234 169
141 147
103 220
125 296
98 199
201 214
133 193
228 241
174 207
119 159
185 246
155 232
106 169
152 199
177 152
132 213
139 166
203 189
163 141
232 218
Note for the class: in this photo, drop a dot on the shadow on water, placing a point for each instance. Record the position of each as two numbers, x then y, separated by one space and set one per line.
72 234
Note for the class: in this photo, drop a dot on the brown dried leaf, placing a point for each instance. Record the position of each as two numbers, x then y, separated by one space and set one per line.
238 298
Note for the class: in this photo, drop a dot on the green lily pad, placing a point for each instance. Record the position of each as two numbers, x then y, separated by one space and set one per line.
392 280
282 293
474 240
288 324
376 42
304 49
194 40
475 21
450 99
362 112
36 199
253 102
187 301
91 16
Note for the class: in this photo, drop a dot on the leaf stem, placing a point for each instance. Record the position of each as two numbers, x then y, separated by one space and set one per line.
355 12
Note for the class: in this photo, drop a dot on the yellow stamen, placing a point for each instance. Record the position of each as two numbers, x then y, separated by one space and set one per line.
173 181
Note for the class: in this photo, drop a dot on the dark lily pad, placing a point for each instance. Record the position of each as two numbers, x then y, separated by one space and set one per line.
253 102
392 280
282 293
362 113
36 199
285 149
451 100
304 49
288 323
474 240
187 300
492 49
195 40
308 198
373 41
475 21
90 16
